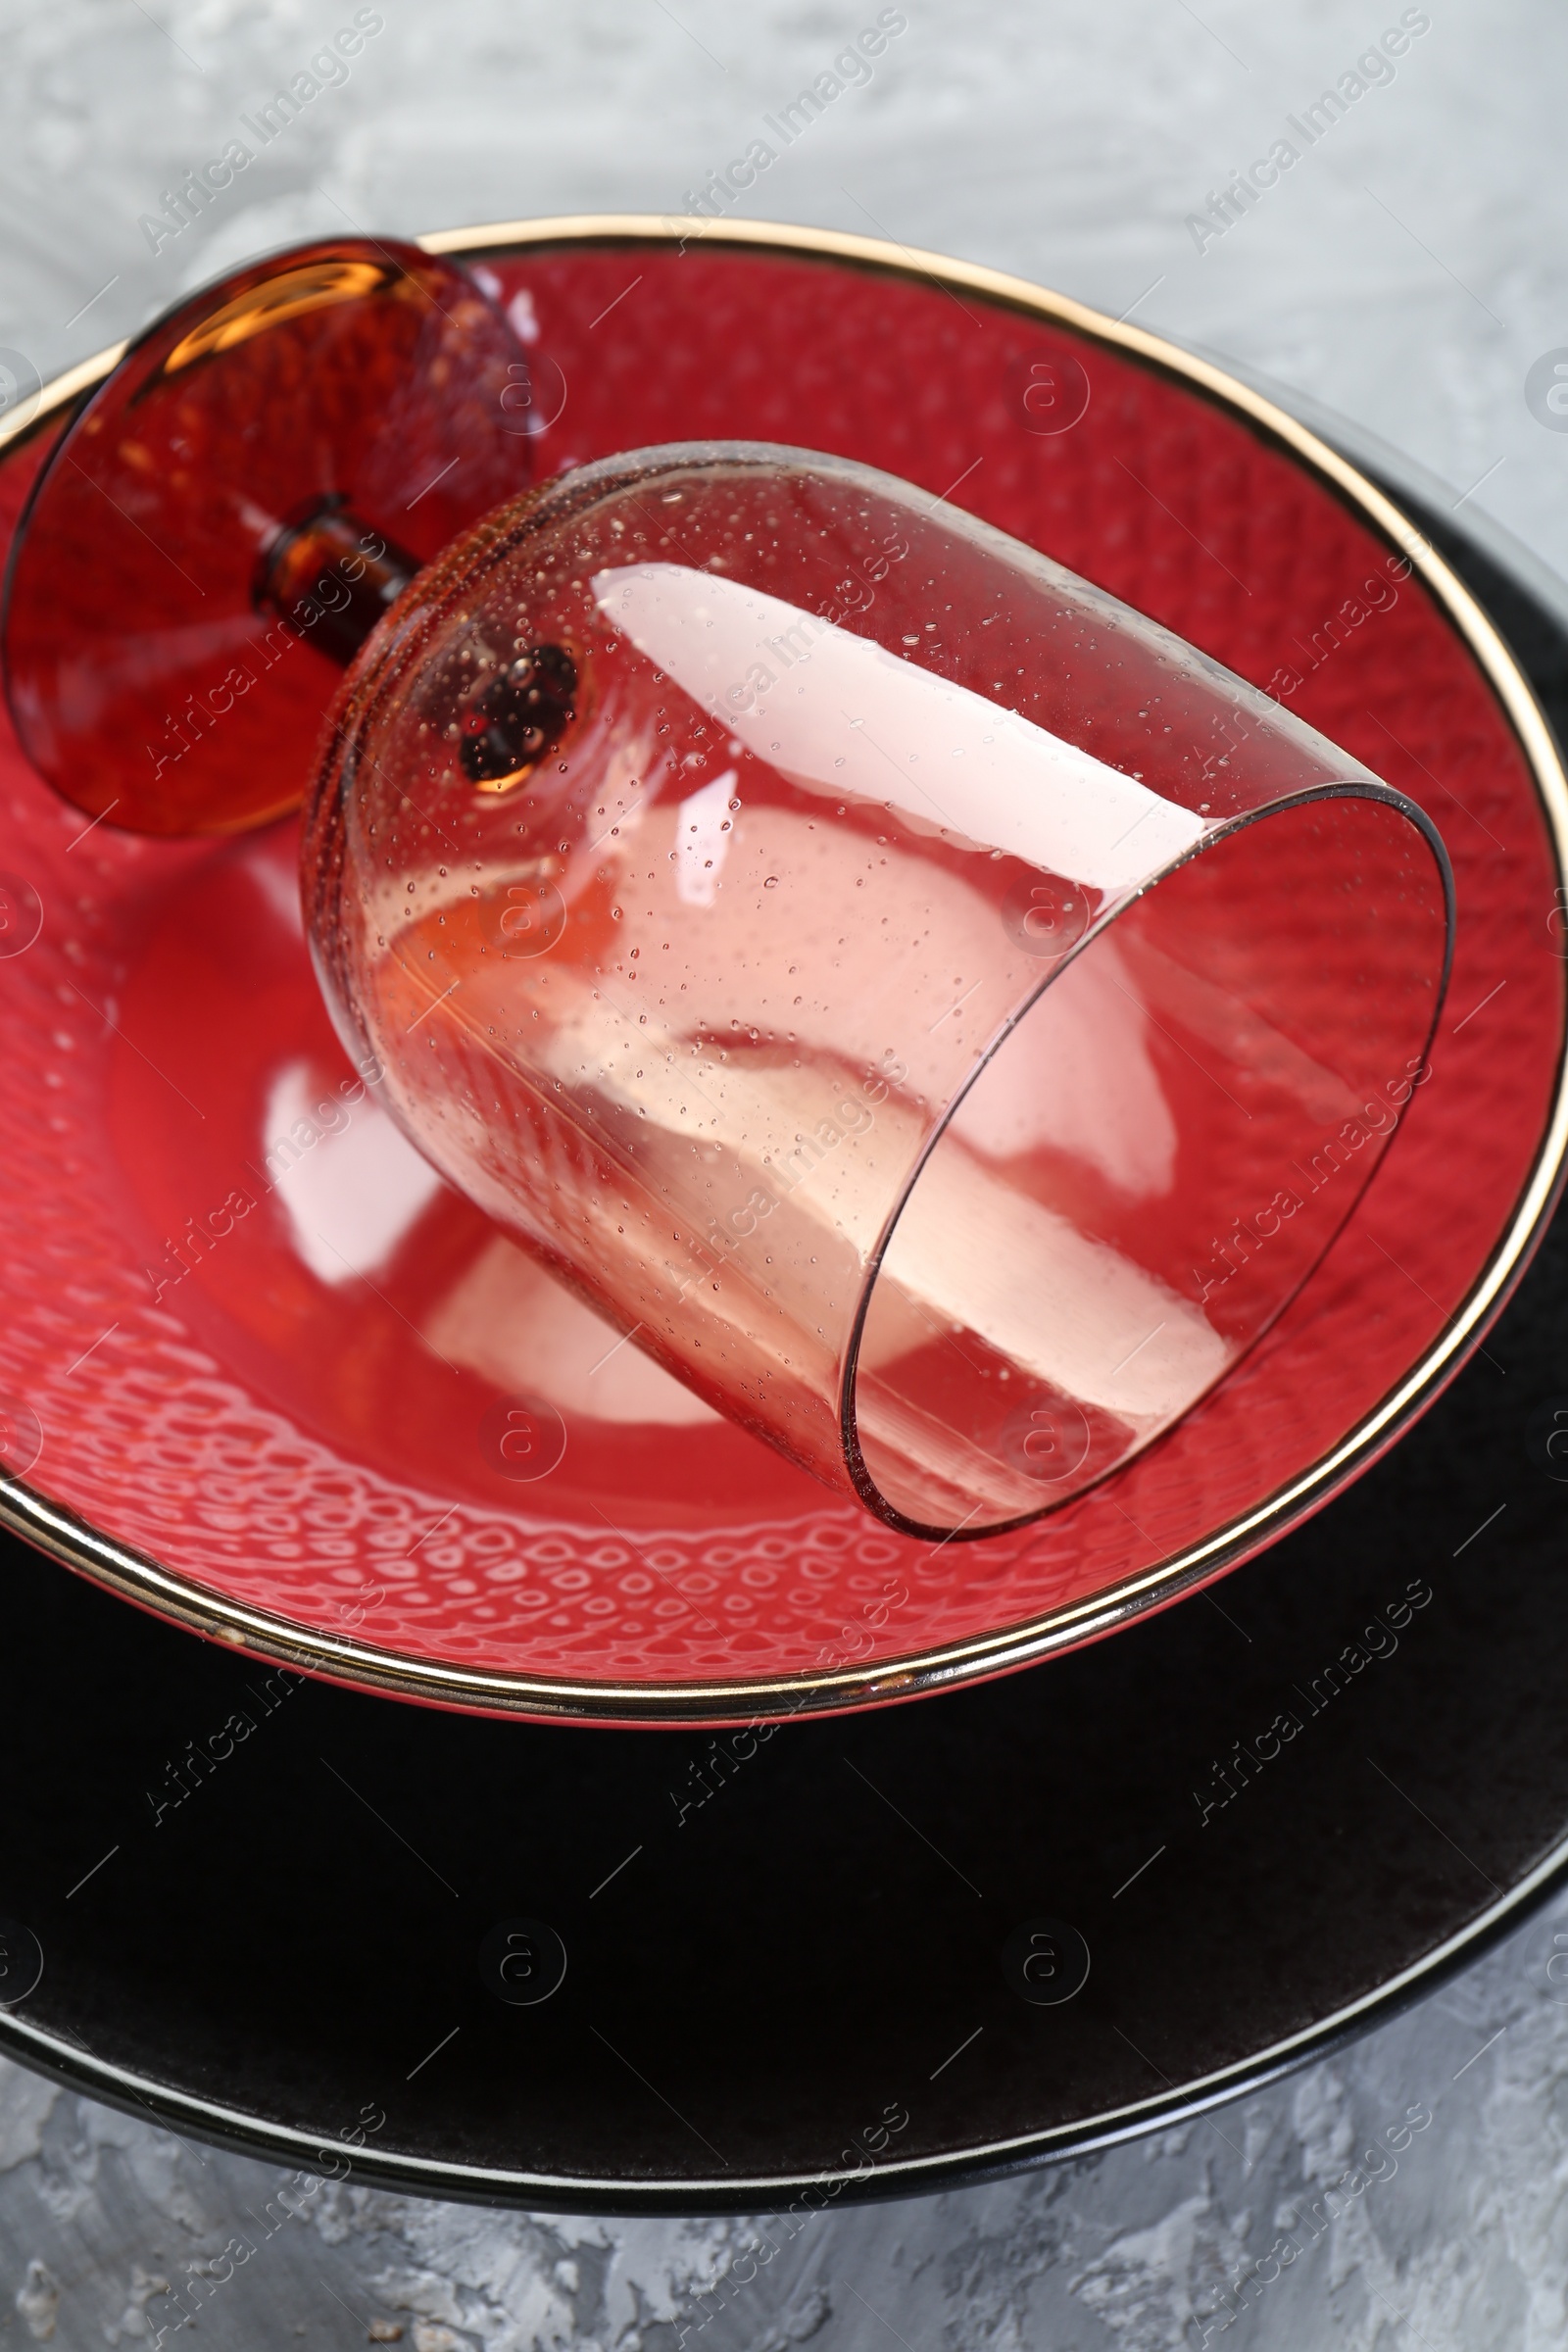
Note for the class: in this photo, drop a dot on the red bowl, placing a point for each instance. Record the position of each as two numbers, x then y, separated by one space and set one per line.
255 1355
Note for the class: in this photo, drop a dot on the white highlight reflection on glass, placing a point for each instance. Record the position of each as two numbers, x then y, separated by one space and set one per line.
355 1191
837 714
703 835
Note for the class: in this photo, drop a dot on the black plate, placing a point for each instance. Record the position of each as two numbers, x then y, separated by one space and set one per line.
826 1955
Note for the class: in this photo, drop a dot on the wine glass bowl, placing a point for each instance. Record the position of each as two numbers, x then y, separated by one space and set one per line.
921 1176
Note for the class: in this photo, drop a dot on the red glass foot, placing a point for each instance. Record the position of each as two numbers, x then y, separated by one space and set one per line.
230 514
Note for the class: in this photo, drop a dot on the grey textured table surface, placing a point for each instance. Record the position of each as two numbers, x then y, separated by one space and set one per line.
1407 272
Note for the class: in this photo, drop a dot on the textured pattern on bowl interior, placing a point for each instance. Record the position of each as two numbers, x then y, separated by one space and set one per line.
299 1424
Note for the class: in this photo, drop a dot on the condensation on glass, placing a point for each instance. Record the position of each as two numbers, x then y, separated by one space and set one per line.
744 868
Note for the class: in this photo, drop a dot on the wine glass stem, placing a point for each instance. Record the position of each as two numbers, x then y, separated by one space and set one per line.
331 576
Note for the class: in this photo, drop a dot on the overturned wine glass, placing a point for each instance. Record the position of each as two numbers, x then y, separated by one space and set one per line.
939 1014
